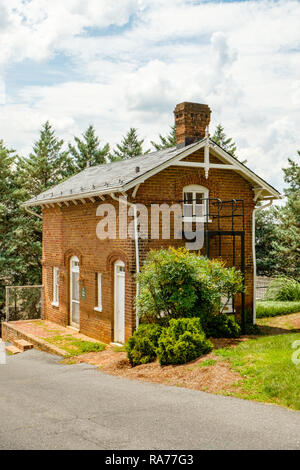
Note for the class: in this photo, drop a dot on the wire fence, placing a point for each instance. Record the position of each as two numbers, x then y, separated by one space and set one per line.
262 284
23 303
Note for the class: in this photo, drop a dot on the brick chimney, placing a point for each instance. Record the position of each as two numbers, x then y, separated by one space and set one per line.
191 120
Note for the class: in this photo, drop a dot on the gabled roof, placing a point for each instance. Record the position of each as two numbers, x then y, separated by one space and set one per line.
125 174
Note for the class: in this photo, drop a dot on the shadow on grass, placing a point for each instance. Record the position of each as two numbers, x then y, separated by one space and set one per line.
267 330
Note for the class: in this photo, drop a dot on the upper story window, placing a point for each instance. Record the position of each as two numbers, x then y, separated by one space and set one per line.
195 203
55 287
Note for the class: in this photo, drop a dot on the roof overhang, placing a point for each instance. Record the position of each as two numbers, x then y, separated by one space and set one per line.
262 190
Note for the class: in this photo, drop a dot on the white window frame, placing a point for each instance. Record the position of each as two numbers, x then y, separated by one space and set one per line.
98 307
74 268
55 275
196 189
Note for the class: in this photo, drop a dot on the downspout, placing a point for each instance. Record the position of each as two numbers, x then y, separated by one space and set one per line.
32 212
136 240
255 210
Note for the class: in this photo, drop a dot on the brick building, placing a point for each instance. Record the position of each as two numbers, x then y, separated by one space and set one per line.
89 280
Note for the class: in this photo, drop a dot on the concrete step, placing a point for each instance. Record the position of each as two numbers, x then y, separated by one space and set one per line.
23 344
13 349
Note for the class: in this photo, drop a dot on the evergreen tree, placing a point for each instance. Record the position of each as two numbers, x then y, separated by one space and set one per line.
47 165
288 231
225 142
167 141
130 147
278 231
267 257
7 206
7 217
87 151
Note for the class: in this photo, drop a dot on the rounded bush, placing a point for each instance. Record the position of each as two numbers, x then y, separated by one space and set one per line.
183 341
141 346
177 283
221 326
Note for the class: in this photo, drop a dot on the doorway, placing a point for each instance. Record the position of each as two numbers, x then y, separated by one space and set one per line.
119 302
74 292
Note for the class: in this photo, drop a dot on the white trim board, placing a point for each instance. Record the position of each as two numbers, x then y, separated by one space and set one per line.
230 163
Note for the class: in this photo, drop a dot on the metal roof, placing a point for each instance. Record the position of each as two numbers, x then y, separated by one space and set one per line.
116 176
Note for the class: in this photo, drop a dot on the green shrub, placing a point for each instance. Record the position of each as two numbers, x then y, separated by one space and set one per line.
221 326
266 308
141 346
178 283
183 341
283 289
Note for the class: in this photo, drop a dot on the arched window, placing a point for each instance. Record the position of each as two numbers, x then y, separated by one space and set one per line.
195 202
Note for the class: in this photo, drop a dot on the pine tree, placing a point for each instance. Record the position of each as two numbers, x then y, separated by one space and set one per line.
47 165
278 230
288 231
267 257
7 218
225 142
87 151
130 147
7 206
167 141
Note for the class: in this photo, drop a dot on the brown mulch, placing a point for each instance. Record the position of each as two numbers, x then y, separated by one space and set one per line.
211 378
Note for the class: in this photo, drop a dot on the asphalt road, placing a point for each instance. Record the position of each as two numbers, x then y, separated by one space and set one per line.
47 405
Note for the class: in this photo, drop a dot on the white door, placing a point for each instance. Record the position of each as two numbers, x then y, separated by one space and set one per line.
119 303
74 292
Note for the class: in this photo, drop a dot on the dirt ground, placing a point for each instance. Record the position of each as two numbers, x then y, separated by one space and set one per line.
280 325
209 373
194 375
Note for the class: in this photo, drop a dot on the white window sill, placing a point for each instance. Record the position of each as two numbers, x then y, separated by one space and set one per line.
55 304
98 309
196 219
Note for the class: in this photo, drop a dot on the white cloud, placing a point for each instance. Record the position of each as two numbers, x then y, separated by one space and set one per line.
138 58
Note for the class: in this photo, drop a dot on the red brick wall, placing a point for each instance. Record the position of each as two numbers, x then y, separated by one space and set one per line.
71 231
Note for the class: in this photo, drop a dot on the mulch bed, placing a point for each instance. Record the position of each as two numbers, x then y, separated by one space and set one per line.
218 377
211 378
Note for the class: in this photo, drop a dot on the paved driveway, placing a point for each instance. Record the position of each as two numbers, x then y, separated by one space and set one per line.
47 405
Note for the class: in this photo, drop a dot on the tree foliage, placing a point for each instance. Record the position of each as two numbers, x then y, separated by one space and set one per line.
87 151
22 178
267 258
225 142
131 146
287 242
278 230
8 213
167 141
47 165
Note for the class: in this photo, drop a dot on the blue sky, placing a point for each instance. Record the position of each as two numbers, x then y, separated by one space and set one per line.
127 63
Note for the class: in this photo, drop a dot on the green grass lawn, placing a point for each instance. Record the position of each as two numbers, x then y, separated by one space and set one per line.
74 346
265 308
268 373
